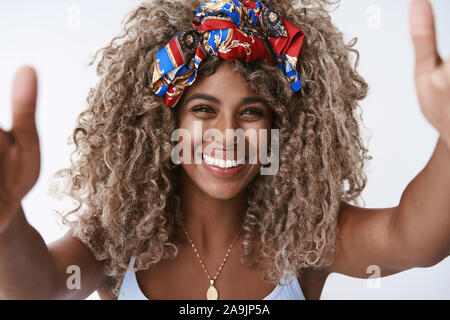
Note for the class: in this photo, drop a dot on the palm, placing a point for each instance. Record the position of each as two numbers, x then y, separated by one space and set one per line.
432 74
19 148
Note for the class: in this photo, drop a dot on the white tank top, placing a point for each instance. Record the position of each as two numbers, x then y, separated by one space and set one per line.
288 290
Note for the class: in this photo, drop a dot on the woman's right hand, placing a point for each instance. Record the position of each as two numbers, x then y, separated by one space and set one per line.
19 148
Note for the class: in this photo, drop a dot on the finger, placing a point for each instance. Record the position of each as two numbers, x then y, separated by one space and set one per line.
423 35
24 94
6 139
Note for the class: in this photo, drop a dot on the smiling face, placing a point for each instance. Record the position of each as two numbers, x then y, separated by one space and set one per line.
219 102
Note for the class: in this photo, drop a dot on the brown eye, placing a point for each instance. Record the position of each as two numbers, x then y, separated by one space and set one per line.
252 114
203 111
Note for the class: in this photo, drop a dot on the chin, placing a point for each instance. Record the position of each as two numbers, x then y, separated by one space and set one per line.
220 192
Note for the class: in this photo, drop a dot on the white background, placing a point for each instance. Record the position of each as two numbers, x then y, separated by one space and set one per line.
58 38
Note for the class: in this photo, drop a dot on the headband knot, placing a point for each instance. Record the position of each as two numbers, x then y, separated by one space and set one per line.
251 30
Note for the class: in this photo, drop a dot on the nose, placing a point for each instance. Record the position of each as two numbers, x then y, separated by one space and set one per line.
227 126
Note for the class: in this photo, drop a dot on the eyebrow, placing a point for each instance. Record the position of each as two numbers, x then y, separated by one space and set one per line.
250 100
247 100
202 96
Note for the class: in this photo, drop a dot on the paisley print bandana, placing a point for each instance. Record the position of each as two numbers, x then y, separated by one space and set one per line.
248 30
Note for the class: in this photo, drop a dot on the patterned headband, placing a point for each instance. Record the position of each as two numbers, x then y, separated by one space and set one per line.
251 30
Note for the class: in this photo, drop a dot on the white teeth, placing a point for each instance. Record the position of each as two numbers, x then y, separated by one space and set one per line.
224 164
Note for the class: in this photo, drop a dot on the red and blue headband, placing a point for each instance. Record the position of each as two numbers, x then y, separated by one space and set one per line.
251 30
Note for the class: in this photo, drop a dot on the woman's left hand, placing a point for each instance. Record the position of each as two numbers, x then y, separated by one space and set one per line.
432 74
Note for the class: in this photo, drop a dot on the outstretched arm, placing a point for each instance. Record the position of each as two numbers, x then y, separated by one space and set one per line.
29 269
422 219
416 233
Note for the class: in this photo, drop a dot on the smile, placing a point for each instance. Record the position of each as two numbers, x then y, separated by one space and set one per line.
221 163
224 169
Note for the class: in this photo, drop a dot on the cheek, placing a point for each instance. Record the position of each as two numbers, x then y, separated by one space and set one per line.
257 143
192 133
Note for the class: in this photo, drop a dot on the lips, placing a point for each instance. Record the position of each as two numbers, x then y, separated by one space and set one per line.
223 172
222 163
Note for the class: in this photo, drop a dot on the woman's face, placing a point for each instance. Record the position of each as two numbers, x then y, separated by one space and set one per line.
223 101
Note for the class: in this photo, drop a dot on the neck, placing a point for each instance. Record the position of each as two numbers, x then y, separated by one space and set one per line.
211 223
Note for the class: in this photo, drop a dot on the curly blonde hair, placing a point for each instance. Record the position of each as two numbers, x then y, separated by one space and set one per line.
127 198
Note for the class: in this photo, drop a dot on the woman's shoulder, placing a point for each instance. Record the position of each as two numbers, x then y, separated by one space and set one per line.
72 257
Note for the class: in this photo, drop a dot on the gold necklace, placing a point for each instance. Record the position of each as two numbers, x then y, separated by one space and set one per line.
212 293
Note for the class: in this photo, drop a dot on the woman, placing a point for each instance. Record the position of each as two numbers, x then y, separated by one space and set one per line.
219 229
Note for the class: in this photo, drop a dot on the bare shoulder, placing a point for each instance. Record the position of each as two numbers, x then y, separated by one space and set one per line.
365 239
76 264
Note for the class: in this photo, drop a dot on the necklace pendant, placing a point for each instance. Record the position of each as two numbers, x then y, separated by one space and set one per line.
212 293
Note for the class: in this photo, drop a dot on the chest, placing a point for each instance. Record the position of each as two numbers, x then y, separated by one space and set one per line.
183 279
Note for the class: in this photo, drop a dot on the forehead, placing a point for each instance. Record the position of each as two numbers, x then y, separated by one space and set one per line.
225 83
